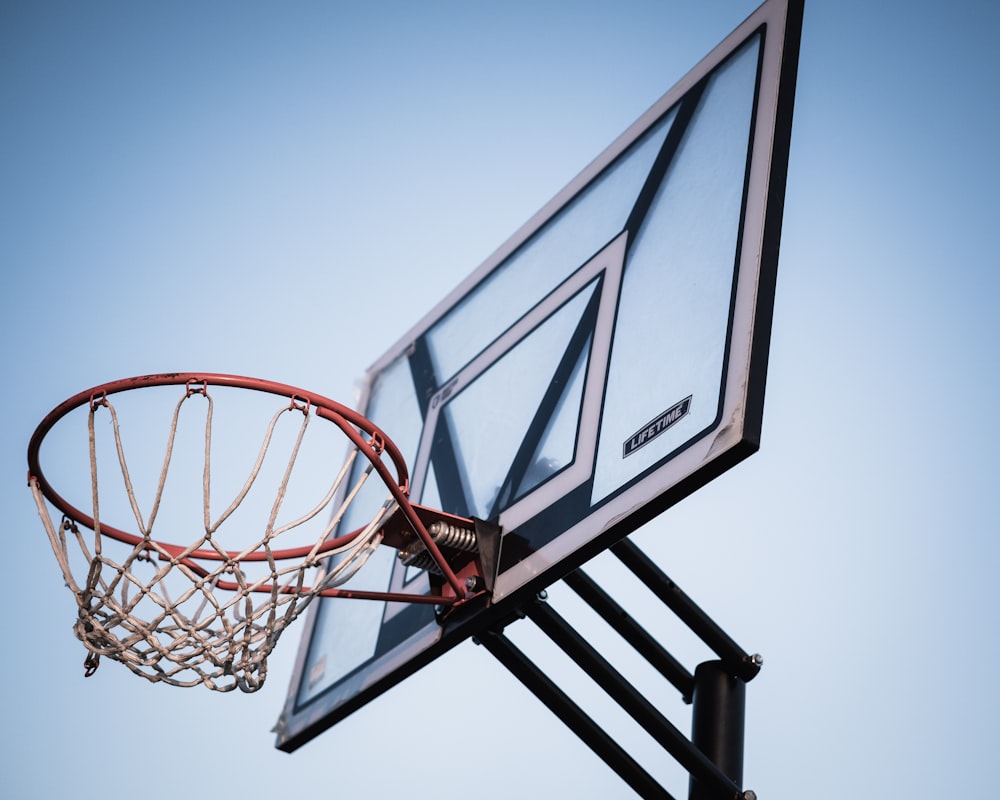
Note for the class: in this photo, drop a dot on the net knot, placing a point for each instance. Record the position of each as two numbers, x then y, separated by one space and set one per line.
90 664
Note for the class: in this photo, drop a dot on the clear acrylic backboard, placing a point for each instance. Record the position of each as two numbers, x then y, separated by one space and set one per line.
605 362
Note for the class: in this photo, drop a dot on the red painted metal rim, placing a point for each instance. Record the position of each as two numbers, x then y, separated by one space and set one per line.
346 418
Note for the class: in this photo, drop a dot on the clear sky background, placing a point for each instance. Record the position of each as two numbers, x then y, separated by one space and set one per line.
232 186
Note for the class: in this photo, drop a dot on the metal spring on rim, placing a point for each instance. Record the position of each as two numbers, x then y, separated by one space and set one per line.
419 559
444 534
448 535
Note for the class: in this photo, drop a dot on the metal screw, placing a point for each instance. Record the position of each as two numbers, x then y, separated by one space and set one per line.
543 595
758 661
749 794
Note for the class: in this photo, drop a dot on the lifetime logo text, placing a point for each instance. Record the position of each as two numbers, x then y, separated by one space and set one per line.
655 427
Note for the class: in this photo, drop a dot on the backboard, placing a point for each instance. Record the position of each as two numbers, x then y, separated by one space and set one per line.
605 362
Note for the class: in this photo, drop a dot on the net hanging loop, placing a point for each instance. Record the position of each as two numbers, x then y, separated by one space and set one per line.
196 613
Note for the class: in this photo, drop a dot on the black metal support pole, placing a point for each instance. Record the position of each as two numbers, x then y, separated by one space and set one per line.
633 633
717 726
737 660
572 716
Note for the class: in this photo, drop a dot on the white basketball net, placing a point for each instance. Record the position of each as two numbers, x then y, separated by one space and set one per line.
173 615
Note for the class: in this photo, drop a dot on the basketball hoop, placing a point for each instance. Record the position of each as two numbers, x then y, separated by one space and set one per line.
209 611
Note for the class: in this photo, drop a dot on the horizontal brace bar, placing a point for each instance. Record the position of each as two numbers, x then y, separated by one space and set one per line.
629 698
737 660
589 732
632 632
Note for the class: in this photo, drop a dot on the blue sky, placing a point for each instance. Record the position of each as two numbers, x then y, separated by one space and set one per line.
283 191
